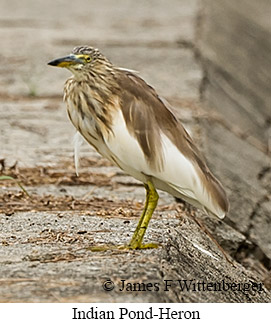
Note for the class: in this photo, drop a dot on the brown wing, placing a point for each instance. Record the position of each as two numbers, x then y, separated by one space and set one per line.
146 116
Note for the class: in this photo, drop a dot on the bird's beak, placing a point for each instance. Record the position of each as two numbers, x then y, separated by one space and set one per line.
66 61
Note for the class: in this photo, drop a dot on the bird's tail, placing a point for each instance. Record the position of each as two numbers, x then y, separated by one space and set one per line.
215 201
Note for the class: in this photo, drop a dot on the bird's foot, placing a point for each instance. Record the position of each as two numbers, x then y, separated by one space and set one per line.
123 247
150 245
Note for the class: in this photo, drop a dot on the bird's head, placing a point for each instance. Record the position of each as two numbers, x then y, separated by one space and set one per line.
84 59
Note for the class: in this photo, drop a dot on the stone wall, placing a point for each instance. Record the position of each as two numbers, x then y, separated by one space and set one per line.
235 43
233 46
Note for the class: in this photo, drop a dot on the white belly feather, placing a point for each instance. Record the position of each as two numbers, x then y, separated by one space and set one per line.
178 177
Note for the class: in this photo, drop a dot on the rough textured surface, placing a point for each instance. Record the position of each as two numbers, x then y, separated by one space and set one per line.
235 43
233 47
46 238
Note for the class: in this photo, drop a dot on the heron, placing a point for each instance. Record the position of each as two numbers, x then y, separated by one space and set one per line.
127 122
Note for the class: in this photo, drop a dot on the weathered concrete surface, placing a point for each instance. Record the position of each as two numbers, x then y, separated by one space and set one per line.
46 239
59 267
235 43
233 46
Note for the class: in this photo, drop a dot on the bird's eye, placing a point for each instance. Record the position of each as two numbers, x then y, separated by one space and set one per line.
88 59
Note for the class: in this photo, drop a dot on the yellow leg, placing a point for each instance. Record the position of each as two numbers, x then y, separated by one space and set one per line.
136 241
150 205
144 210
